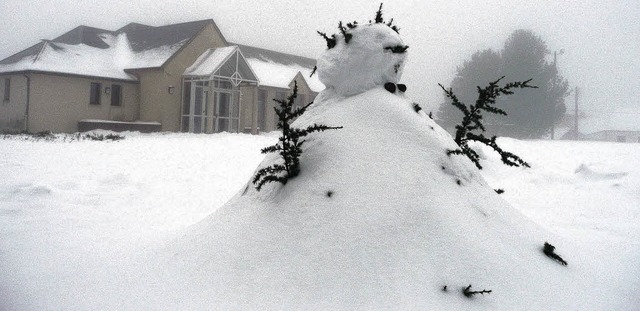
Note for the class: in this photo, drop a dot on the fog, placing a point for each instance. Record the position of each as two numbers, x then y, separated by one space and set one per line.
601 39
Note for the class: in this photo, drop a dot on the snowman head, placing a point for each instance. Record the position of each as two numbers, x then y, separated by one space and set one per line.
361 58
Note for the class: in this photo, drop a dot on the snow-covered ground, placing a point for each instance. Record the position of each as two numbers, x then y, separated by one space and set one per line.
75 214
380 217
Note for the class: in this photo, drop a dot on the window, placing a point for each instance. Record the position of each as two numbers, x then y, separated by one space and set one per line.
7 90
94 97
116 95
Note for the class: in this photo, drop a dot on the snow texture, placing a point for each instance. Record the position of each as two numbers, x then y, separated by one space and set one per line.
279 75
379 217
363 63
86 60
209 61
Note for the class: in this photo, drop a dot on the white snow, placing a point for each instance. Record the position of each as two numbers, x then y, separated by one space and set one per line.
210 61
364 62
279 75
379 217
86 60
76 217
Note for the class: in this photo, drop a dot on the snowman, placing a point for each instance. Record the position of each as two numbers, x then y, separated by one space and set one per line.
364 57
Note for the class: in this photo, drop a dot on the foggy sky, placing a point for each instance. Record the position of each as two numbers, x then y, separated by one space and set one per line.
601 39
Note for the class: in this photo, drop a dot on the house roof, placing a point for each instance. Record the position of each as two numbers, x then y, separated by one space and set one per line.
276 69
225 62
90 51
95 52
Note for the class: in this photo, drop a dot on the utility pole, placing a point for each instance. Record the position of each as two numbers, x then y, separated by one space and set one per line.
555 105
577 133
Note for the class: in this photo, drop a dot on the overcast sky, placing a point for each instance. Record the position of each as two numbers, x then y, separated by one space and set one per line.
601 39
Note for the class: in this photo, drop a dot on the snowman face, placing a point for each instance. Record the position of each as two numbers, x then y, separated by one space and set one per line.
374 56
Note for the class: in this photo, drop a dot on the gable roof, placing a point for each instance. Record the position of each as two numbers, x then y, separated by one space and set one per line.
89 51
225 62
276 69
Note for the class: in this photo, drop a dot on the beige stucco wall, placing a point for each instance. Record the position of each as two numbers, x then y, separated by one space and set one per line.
57 102
156 102
12 112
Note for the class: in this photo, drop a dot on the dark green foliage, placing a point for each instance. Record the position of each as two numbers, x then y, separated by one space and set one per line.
469 293
549 250
347 36
531 113
289 145
472 121
379 18
399 49
331 42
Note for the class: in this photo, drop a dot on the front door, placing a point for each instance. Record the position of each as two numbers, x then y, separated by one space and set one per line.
227 111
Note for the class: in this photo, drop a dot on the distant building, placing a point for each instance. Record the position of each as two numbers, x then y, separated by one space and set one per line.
615 126
182 77
616 136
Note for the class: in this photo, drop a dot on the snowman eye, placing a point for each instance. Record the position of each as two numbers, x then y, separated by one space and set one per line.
398 49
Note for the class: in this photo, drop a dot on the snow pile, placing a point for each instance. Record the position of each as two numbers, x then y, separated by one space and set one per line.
379 218
68 237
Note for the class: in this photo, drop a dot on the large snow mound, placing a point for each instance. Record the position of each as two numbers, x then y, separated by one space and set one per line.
379 217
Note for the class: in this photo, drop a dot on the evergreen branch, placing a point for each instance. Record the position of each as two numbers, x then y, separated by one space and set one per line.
549 250
472 121
289 145
469 293
347 36
379 18
331 42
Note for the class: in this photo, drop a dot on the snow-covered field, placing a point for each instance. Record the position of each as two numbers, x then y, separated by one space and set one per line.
74 215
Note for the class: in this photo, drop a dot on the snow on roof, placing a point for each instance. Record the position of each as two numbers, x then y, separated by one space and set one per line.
280 75
85 60
209 61
91 51
64 58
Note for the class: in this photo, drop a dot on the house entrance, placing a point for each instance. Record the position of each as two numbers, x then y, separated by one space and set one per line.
227 111
210 107
211 91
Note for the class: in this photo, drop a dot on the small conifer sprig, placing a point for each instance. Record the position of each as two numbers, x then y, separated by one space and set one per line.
472 121
289 145
380 20
549 250
469 293
332 40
